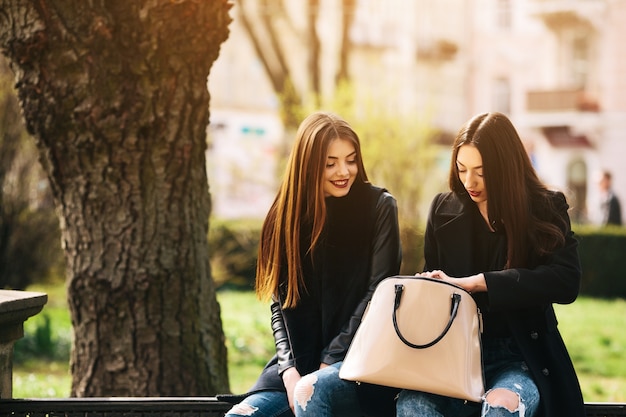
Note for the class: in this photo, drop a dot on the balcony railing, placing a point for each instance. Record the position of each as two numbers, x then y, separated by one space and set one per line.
562 100
559 14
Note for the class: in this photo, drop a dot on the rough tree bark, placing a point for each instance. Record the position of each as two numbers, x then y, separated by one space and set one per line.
115 94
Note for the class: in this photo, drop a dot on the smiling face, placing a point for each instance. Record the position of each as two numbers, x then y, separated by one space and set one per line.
341 168
469 164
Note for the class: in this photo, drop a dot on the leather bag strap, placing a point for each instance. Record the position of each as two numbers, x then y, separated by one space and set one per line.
456 300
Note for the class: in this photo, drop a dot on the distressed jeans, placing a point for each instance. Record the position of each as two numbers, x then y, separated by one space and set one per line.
262 404
319 394
504 368
323 394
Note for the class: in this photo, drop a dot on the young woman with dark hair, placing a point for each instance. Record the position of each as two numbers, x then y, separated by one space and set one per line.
501 234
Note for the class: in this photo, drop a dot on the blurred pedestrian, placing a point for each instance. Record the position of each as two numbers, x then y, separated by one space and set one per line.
610 205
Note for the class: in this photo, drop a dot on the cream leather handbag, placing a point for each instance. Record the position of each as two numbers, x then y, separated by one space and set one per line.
421 334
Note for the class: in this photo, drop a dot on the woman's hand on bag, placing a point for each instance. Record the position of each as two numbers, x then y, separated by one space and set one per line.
290 378
471 284
428 274
435 274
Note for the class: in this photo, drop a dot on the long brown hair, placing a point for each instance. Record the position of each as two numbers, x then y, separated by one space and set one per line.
514 190
300 200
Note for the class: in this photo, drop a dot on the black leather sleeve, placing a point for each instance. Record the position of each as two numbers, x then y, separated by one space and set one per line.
281 339
386 259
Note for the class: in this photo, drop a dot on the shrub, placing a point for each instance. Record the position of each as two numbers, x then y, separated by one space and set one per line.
234 243
412 249
233 246
601 251
46 337
30 237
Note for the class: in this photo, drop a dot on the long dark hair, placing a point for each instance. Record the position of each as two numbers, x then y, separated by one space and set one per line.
300 200
514 191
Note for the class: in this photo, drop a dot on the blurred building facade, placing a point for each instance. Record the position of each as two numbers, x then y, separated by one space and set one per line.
556 67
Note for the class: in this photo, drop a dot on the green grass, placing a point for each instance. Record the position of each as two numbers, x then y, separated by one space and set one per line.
41 379
246 323
593 331
41 366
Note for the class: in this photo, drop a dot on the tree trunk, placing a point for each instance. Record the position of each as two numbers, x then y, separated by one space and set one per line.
115 94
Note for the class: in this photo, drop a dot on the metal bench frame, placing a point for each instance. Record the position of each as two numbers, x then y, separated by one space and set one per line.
172 407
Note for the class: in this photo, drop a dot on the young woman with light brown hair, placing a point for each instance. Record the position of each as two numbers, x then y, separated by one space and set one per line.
329 238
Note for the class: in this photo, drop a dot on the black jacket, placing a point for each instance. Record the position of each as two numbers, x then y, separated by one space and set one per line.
360 247
523 296
611 210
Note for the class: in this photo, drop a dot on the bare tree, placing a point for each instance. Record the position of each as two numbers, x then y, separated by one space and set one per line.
114 93
272 30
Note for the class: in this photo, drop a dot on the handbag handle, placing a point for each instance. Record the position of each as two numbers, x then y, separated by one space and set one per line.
456 300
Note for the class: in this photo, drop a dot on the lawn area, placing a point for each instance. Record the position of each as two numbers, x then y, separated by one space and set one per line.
590 328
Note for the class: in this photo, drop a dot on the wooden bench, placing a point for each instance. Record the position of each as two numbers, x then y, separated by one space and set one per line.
171 407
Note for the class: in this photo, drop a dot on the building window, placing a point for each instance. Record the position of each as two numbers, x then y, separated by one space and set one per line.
502 96
580 61
375 24
503 14
577 186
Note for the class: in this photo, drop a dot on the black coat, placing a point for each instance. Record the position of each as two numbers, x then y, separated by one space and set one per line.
524 296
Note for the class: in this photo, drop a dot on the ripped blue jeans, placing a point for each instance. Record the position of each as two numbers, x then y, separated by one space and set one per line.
262 404
319 394
324 394
504 368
